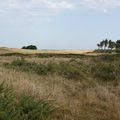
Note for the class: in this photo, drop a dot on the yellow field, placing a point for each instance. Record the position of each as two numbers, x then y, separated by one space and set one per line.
23 51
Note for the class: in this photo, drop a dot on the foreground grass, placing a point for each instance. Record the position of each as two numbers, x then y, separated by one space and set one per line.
83 90
23 107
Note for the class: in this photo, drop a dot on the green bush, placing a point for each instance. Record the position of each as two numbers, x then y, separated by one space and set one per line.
105 67
23 107
105 71
23 65
118 50
32 47
103 51
106 58
53 68
70 70
74 70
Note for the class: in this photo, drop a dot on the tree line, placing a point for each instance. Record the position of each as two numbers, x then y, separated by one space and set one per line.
109 45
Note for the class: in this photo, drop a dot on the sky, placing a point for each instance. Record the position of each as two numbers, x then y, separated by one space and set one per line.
58 24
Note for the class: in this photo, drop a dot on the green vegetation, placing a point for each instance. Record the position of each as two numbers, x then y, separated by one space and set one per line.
47 55
31 47
108 46
71 70
22 107
105 67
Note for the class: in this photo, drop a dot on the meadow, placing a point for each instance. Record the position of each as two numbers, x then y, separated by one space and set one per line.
59 85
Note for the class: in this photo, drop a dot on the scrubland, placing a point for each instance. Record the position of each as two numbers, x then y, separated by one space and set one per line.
53 87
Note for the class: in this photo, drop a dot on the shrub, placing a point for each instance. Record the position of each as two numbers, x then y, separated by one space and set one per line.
23 65
105 71
74 70
118 50
106 58
70 70
53 68
106 67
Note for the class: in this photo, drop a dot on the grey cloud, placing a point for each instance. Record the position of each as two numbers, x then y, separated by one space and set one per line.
41 7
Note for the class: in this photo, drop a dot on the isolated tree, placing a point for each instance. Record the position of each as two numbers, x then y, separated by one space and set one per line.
31 47
24 47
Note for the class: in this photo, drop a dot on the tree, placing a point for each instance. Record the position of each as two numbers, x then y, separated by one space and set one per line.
98 46
101 44
24 47
32 47
111 44
118 46
105 43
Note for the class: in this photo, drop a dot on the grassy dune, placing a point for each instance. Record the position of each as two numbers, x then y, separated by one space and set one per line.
85 88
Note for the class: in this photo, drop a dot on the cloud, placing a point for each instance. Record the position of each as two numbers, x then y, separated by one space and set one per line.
34 7
48 7
101 4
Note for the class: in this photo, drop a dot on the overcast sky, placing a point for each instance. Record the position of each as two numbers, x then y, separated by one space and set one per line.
58 24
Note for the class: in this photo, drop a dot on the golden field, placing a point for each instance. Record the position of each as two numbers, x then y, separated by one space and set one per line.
23 51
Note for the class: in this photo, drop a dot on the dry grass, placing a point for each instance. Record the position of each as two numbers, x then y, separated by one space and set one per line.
23 51
4 50
77 100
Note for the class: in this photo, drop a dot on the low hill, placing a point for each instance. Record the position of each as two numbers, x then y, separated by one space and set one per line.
23 51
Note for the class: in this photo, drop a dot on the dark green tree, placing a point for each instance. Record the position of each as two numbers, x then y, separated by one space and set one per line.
118 46
98 46
105 43
101 44
32 47
111 44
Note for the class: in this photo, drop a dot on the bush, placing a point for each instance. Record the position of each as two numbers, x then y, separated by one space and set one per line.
105 71
23 107
32 47
103 51
74 70
106 67
23 65
107 58
118 50
70 70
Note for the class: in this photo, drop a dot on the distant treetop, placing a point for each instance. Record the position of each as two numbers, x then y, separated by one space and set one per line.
109 46
31 47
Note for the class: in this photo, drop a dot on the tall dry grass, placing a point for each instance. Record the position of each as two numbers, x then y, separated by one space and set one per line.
76 100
